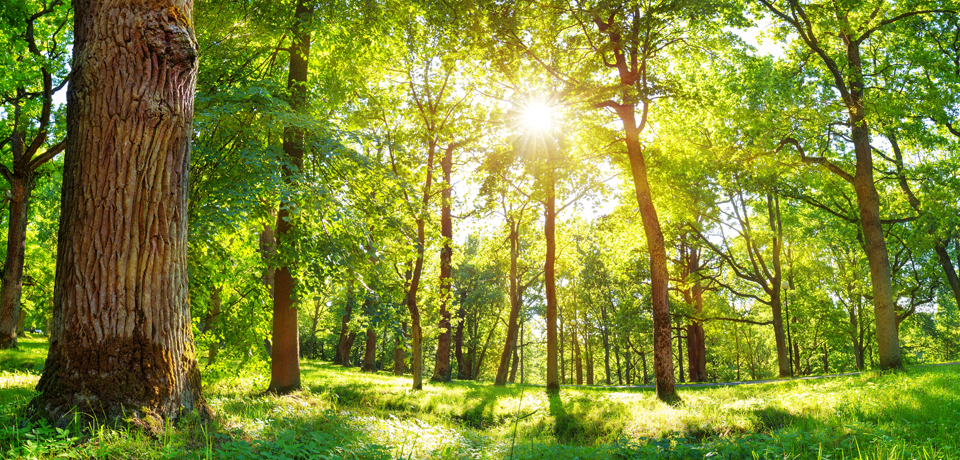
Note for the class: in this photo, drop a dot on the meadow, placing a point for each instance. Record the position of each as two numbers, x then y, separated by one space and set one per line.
343 413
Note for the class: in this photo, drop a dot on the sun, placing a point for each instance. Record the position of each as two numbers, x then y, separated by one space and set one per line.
537 116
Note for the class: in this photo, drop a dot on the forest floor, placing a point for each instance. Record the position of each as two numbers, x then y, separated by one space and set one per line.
342 413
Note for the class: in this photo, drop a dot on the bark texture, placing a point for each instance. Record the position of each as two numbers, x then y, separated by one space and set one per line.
121 342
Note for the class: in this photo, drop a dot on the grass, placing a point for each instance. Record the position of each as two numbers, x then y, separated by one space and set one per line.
346 414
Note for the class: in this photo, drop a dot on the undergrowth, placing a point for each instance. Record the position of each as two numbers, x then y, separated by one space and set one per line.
342 413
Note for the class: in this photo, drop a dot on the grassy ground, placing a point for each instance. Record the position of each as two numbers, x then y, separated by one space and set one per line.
346 414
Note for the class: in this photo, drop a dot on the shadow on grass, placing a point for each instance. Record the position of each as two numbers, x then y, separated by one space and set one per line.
567 428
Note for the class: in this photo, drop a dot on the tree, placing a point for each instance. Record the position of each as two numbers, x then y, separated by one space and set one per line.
121 339
45 33
285 358
848 73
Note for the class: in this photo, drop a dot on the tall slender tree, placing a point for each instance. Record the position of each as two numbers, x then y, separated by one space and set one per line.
285 359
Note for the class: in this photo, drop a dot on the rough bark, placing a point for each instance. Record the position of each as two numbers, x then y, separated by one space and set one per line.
121 344
285 362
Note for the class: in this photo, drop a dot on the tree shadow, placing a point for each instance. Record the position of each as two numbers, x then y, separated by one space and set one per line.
567 428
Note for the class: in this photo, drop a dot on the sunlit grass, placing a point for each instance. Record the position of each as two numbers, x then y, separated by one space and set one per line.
342 413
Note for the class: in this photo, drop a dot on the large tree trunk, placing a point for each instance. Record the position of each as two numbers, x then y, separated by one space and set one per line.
512 324
11 285
441 372
121 344
285 362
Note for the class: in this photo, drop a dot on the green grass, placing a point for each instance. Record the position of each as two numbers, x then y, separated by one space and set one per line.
347 414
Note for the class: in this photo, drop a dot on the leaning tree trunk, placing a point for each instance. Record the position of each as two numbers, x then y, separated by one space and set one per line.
11 285
285 359
121 344
662 347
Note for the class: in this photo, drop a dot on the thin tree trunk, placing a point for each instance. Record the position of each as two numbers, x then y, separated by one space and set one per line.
512 325
680 356
399 352
121 345
550 278
514 366
441 372
589 362
606 343
646 377
210 323
462 367
579 361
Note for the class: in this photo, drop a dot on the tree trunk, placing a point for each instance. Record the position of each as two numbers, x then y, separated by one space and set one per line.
210 323
342 356
512 325
521 352
514 366
11 285
121 344
576 351
285 365
458 340
662 347
606 343
370 352
646 377
868 203
550 278
399 352
21 320
589 362
563 368
441 372
680 356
